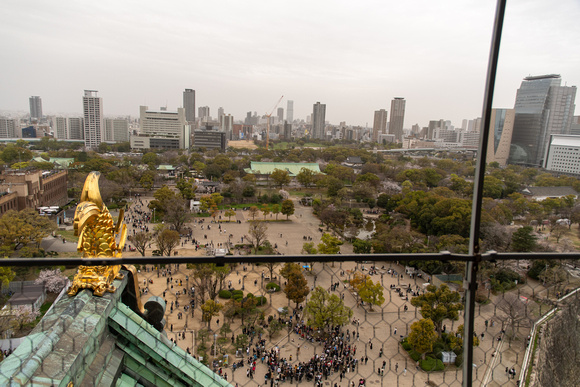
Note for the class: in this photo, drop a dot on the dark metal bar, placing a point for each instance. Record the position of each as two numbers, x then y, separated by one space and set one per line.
444 257
474 248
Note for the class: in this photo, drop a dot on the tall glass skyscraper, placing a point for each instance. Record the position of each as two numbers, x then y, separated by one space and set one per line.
35 107
542 108
189 105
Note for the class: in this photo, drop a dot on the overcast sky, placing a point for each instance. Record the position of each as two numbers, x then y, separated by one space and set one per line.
354 56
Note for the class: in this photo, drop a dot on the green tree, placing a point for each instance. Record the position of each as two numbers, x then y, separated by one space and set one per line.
274 327
296 288
326 311
422 336
150 158
280 177
209 310
439 304
306 177
289 268
329 244
524 240
371 293
265 211
147 180
229 213
361 246
276 210
287 208
19 228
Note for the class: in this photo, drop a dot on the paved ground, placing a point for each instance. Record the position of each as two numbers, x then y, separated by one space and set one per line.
377 326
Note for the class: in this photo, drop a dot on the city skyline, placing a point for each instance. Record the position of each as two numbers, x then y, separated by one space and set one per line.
436 57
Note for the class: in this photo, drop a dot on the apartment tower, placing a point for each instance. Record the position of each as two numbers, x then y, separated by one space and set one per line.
397 118
35 107
379 124
189 105
93 119
318 119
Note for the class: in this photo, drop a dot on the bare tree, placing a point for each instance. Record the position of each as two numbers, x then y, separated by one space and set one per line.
257 233
515 311
166 240
140 240
176 213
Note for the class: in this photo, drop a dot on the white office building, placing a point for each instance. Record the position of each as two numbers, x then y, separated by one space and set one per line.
563 154
93 119
162 129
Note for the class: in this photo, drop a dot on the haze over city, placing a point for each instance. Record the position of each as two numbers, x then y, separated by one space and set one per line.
354 57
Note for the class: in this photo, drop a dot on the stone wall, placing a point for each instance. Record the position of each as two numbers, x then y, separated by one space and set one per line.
558 351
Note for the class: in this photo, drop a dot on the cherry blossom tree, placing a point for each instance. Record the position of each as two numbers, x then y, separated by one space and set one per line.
23 315
53 280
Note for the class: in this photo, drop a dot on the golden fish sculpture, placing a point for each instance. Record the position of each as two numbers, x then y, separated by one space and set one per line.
97 233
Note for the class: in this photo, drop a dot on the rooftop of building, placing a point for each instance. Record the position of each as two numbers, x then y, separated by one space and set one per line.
536 77
549 191
565 140
266 168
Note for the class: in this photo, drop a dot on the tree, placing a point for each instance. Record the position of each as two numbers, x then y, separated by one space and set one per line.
523 239
296 288
329 244
309 248
254 211
166 240
6 275
23 315
19 228
422 336
361 246
209 310
326 311
53 280
257 233
372 293
208 279
265 211
276 210
229 213
287 208
306 177
141 240
439 304
150 158
186 188
289 268
147 180
274 327
176 213
280 177
515 311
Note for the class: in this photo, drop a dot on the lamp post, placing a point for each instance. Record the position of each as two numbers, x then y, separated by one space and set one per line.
215 345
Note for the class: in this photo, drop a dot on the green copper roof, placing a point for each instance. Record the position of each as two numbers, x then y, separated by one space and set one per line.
91 340
264 168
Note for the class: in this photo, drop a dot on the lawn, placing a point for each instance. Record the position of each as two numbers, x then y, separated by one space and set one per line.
68 235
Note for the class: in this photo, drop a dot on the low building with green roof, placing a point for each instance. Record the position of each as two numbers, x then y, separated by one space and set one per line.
266 168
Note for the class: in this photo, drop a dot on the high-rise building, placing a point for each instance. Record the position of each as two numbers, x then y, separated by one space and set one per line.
500 135
290 111
280 114
542 108
220 112
189 105
60 128
379 124
35 107
8 127
318 120
162 129
397 118
76 128
203 113
93 115
116 129
227 125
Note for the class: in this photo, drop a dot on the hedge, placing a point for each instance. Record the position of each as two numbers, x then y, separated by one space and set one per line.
273 285
414 355
225 294
431 364
261 300
235 292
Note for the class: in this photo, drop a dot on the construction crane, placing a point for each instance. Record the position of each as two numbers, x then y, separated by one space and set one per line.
268 126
